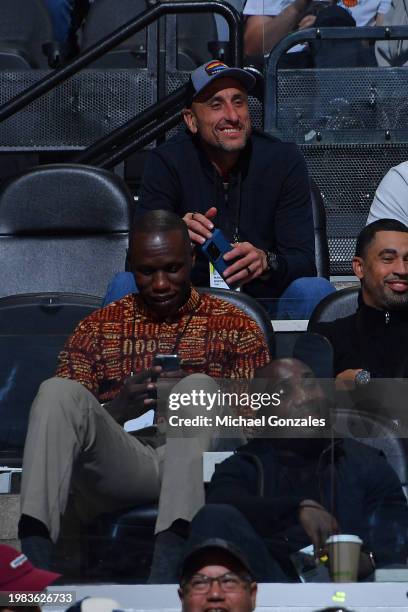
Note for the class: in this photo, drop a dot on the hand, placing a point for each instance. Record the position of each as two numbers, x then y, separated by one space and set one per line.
167 380
133 399
251 263
345 381
199 225
306 22
318 524
165 384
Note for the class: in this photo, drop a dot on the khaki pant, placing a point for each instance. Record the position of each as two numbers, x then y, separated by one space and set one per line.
73 442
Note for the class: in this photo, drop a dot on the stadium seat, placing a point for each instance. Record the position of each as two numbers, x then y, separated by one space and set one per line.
193 34
63 228
337 305
377 432
33 329
24 28
319 220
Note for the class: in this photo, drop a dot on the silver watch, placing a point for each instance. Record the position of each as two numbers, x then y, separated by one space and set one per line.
362 378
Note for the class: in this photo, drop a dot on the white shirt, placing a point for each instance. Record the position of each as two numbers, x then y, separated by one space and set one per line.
391 198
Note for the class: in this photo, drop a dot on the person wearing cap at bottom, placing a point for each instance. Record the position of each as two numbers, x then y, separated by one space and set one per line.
18 574
216 574
219 173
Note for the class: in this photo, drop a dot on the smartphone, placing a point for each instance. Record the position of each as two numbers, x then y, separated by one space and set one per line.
215 248
169 363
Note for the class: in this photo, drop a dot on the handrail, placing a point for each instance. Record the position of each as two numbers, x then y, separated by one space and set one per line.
147 135
311 35
173 101
169 7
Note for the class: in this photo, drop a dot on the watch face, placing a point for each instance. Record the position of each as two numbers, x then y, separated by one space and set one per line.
362 378
270 259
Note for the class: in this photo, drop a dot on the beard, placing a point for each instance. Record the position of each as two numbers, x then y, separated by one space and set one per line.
230 147
396 301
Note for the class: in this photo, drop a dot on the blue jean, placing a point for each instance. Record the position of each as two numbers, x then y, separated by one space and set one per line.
296 302
299 299
60 12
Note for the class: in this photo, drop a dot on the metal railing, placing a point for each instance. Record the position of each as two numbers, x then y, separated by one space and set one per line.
143 20
315 35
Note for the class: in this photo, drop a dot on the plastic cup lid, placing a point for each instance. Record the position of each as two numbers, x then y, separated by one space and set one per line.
344 537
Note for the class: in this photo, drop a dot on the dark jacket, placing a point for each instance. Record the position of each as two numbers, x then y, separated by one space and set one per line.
268 198
267 487
375 340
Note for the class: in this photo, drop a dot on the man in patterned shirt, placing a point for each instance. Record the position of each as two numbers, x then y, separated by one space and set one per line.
105 377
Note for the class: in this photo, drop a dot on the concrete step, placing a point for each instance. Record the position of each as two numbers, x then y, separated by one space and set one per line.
9 515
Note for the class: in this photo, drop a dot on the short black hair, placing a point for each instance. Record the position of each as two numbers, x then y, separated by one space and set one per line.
367 235
156 221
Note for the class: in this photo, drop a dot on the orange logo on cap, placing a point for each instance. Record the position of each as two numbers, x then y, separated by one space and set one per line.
350 3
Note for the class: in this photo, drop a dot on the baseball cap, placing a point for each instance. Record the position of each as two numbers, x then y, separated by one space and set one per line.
195 551
18 574
202 76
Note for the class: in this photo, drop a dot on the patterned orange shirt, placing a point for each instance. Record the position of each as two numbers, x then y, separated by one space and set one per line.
215 338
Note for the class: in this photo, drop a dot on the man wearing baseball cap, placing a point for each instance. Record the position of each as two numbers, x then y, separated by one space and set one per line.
219 173
216 574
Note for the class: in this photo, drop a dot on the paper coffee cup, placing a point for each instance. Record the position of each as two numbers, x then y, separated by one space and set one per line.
344 556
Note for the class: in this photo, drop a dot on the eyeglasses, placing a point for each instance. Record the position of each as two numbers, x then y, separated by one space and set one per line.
229 583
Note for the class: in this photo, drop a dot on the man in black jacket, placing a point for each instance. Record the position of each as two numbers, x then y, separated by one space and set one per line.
373 342
293 492
255 188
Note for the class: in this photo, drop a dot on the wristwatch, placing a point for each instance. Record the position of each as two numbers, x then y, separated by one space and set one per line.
271 261
372 559
362 378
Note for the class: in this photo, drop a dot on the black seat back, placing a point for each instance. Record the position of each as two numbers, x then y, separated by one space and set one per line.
322 256
63 227
24 27
33 329
337 305
377 432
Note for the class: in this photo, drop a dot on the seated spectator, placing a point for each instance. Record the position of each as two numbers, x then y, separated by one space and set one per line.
373 341
106 376
268 22
255 188
391 198
217 575
281 489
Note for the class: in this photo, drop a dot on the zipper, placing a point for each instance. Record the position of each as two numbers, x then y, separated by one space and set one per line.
387 317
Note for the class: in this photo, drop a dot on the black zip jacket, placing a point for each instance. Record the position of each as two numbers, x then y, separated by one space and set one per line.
375 340
364 495
267 200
